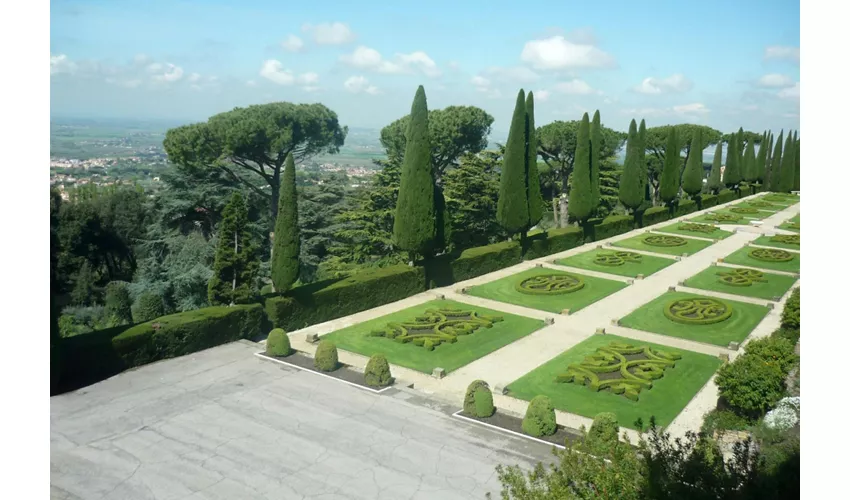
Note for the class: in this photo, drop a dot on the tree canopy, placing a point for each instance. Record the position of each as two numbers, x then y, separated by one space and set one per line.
656 146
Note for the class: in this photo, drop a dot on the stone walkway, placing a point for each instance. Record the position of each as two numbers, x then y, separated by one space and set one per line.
509 363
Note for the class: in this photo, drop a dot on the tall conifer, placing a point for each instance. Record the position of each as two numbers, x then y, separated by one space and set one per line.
750 163
797 167
287 240
535 200
768 162
641 155
512 209
786 170
580 206
235 267
714 182
692 177
630 192
595 149
732 173
670 174
775 163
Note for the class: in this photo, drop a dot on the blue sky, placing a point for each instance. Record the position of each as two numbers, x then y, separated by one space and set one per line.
725 64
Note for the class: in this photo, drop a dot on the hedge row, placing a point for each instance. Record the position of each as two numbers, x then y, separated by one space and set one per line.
556 240
726 196
654 215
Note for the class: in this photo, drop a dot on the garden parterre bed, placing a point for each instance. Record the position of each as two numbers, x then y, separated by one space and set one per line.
768 286
742 257
678 228
689 246
622 265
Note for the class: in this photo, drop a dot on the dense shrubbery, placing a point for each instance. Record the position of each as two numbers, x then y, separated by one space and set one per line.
377 373
482 260
539 418
773 349
327 359
118 303
655 215
723 420
791 312
554 241
751 385
278 343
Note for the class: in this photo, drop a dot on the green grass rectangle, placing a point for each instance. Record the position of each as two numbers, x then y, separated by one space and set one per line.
665 400
450 357
757 204
756 216
505 290
690 247
717 234
796 218
651 318
706 219
788 227
767 241
776 285
649 264
741 257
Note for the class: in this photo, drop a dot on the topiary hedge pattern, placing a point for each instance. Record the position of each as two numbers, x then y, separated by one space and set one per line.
741 277
620 368
788 239
663 240
695 227
771 255
377 373
484 403
539 418
327 358
744 210
614 259
436 326
762 204
698 311
550 284
278 343
716 217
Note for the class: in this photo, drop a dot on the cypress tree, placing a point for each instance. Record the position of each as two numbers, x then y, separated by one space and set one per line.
775 163
786 170
641 155
630 194
714 183
287 240
797 167
670 180
235 267
732 173
692 177
512 209
750 163
768 160
535 200
581 195
760 159
415 225
595 148
741 145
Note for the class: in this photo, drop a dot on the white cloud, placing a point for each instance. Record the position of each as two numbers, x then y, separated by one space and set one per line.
359 85
170 74
556 53
774 80
292 44
366 58
194 77
576 87
515 74
691 111
329 33
672 84
541 95
60 63
480 82
274 71
783 53
790 92
688 109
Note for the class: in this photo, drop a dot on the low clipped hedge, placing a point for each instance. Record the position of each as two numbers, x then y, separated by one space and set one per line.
319 302
554 241
726 196
654 215
88 358
478 261
685 207
188 332
708 200
612 226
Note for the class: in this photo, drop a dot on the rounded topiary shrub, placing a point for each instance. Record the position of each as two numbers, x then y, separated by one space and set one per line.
377 372
326 358
484 403
604 433
469 397
149 307
278 343
540 418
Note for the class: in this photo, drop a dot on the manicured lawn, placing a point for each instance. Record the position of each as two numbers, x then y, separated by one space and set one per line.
651 318
647 265
775 286
504 290
667 398
717 234
788 227
796 218
450 357
768 242
786 201
756 216
741 257
774 207
690 247
704 219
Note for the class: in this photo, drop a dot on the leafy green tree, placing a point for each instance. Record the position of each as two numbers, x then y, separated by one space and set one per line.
797 167
775 163
471 191
692 178
118 303
656 141
580 206
750 385
512 209
786 170
535 201
557 147
84 293
287 241
235 268
714 184
251 144
630 192
750 168
596 145
670 177
732 173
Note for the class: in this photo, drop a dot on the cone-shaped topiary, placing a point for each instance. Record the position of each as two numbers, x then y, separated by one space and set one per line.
118 303
775 163
714 182
768 162
741 146
641 161
604 433
580 206
278 343
761 159
670 175
484 403
469 397
539 418
287 241
149 307
732 172
512 208
377 373
415 224
595 148
327 359
692 177
630 193
786 170
750 174
535 200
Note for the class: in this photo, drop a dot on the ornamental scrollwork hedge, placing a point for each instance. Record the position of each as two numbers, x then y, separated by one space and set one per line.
695 227
663 240
436 326
698 311
771 255
762 204
620 368
613 259
744 210
723 217
741 277
550 284
788 239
